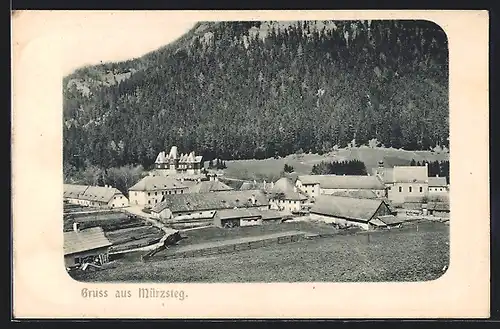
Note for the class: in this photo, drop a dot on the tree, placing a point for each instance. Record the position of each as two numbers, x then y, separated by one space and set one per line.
288 169
353 167
206 90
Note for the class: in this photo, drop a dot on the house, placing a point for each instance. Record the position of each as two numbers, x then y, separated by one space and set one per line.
348 211
245 217
204 205
285 196
88 245
151 189
405 182
315 185
437 186
173 162
95 196
208 186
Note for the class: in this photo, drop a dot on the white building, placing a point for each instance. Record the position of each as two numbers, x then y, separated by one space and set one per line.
175 163
151 189
95 196
316 185
405 183
438 186
284 196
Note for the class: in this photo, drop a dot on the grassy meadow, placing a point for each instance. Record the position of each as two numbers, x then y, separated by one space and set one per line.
405 254
270 169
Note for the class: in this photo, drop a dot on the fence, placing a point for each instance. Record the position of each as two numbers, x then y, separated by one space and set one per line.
229 246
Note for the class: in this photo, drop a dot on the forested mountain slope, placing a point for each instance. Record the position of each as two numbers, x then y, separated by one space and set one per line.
240 90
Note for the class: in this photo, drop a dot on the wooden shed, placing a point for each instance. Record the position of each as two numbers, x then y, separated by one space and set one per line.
89 245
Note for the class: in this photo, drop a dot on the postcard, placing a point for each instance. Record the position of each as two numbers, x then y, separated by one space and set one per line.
237 164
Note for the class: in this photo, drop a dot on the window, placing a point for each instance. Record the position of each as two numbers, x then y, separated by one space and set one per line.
156 200
149 194
156 193
409 189
149 201
400 189
441 189
182 191
169 192
420 189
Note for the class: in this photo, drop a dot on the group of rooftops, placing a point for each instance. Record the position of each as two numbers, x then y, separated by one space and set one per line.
174 155
90 193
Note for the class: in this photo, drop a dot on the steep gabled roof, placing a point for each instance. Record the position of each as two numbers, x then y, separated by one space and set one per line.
154 183
73 190
90 193
343 181
211 201
88 239
285 189
344 207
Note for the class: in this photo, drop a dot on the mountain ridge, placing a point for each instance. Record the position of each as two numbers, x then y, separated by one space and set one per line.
315 84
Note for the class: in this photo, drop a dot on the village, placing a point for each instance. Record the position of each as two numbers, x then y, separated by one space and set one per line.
181 210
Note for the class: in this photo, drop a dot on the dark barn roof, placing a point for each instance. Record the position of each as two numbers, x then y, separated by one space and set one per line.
344 207
88 239
211 201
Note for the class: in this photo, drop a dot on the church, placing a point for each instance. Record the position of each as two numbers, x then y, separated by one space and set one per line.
175 163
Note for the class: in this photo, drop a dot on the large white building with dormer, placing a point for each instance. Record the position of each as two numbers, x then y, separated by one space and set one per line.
175 163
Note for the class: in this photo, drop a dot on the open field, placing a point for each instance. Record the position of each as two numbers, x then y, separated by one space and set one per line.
213 233
405 254
302 164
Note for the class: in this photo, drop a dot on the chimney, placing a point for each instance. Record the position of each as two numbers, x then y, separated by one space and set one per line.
295 189
437 175
182 179
76 227
264 184
254 201
272 184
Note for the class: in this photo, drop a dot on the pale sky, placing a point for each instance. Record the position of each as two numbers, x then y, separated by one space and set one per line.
90 37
